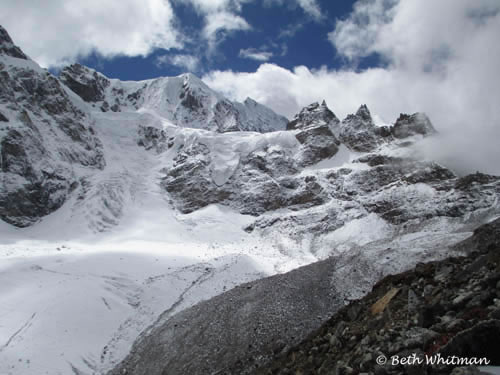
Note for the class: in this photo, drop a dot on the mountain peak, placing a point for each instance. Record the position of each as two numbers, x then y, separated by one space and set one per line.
312 114
7 46
364 113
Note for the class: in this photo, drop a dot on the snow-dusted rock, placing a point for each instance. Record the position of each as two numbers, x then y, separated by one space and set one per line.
313 127
8 48
358 132
45 132
313 114
88 84
184 101
263 178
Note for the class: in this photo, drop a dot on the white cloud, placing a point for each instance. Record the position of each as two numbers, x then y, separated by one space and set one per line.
213 6
220 17
310 7
255 54
442 58
223 21
357 35
188 62
58 31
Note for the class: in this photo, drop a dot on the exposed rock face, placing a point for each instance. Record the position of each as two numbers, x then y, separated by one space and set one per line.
45 133
262 180
153 138
450 308
358 132
93 87
88 84
312 115
8 48
313 125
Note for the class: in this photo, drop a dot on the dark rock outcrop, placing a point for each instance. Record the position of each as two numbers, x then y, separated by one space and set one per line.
263 181
85 82
314 132
358 132
313 114
44 134
153 138
8 48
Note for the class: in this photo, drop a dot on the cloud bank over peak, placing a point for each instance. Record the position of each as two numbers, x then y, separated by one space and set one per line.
441 58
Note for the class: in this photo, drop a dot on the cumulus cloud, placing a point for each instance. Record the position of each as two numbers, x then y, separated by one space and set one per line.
189 63
440 58
255 54
57 32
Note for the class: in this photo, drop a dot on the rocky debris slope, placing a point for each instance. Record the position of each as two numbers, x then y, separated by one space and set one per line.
447 308
243 329
231 332
185 101
45 133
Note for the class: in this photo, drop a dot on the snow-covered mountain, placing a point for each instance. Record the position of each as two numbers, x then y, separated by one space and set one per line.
185 101
127 202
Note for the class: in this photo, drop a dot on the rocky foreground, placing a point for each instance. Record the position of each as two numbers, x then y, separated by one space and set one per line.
451 307
446 308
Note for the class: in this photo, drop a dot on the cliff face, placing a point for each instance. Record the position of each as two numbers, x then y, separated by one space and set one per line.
45 132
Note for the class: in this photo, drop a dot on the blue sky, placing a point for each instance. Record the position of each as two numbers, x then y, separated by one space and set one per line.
285 35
